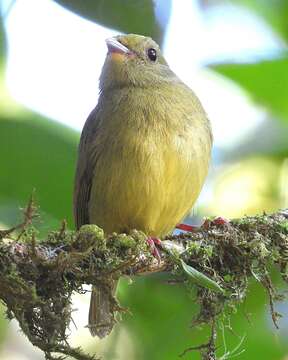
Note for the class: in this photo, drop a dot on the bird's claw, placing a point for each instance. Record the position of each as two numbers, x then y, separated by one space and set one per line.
153 243
186 227
217 221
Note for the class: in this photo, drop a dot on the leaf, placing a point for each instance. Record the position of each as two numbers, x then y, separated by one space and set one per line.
159 327
128 16
275 13
200 279
265 81
3 50
3 45
40 154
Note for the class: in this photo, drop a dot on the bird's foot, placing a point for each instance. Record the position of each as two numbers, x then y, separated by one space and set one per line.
186 227
219 220
154 242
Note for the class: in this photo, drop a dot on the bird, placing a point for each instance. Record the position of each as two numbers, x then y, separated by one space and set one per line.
144 152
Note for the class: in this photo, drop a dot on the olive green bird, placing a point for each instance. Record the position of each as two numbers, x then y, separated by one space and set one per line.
144 152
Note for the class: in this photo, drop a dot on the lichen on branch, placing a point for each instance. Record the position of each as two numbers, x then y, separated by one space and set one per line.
38 278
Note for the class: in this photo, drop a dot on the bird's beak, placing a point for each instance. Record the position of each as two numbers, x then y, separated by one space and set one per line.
115 46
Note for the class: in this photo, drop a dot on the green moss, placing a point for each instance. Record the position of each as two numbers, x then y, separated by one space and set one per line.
124 242
90 236
38 277
283 227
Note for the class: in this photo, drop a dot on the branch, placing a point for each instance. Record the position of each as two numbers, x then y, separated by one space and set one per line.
39 277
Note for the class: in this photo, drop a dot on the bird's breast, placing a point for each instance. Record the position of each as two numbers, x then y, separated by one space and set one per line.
149 171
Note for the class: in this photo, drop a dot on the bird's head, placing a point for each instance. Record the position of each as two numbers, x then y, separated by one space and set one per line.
134 60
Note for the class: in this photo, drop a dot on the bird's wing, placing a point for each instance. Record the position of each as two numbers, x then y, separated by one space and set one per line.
84 171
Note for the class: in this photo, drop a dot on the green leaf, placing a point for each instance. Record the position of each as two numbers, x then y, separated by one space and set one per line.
3 50
200 279
4 326
3 46
275 13
159 327
265 81
128 16
37 153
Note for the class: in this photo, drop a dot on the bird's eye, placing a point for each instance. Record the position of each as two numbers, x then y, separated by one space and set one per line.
152 54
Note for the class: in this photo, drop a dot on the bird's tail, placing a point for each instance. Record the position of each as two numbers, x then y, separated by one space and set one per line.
101 317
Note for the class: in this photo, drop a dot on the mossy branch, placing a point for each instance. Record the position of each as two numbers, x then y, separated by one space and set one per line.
39 277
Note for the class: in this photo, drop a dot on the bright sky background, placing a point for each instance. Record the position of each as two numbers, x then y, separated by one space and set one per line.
55 58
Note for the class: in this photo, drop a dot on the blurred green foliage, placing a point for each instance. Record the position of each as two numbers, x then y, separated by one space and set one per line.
265 81
38 153
273 12
40 156
3 321
128 16
2 43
